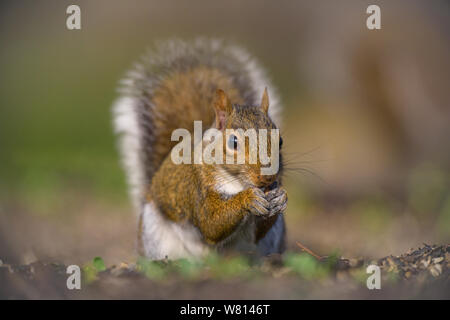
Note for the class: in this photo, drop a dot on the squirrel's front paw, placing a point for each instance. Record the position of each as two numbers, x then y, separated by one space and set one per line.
257 204
277 199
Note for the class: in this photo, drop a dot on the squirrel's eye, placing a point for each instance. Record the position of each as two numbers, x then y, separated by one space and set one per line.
233 142
281 142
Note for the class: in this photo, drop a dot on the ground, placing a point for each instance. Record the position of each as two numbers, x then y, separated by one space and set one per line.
421 273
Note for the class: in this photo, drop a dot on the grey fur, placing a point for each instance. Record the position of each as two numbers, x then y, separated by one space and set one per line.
274 240
134 111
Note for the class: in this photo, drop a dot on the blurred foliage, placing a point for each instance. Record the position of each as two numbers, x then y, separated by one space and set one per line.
228 267
219 267
152 269
362 156
213 265
305 265
443 221
91 269
99 264
308 267
428 189
373 213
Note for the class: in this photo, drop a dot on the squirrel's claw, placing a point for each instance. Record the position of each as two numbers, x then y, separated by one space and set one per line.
258 203
277 201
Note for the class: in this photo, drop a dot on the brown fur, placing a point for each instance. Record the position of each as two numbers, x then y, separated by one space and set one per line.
183 98
187 192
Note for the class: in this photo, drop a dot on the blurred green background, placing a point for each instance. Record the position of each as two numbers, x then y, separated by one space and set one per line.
366 119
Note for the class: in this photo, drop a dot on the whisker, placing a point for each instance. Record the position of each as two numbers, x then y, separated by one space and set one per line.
303 170
306 152
293 161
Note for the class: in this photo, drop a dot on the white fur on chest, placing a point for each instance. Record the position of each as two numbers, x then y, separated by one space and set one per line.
243 238
162 238
227 184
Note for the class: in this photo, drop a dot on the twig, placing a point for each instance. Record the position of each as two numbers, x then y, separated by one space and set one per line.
308 251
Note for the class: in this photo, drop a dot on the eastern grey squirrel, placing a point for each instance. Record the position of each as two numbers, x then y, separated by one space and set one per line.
187 210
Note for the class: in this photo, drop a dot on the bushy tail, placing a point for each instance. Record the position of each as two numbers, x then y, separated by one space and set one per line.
172 86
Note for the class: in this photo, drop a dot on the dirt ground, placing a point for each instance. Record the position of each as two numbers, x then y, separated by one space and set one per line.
34 267
422 273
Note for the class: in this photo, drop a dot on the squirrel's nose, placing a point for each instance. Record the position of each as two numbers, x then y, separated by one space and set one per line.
266 180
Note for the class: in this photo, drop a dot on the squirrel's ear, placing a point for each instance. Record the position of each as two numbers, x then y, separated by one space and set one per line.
265 101
222 107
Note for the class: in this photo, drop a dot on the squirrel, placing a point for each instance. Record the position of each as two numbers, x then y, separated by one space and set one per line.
189 210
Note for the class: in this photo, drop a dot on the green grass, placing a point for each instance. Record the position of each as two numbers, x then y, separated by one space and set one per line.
218 267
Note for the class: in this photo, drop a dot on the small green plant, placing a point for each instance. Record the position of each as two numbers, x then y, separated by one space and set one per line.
91 270
99 264
152 269
188 268
306 266
360 275
227 267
